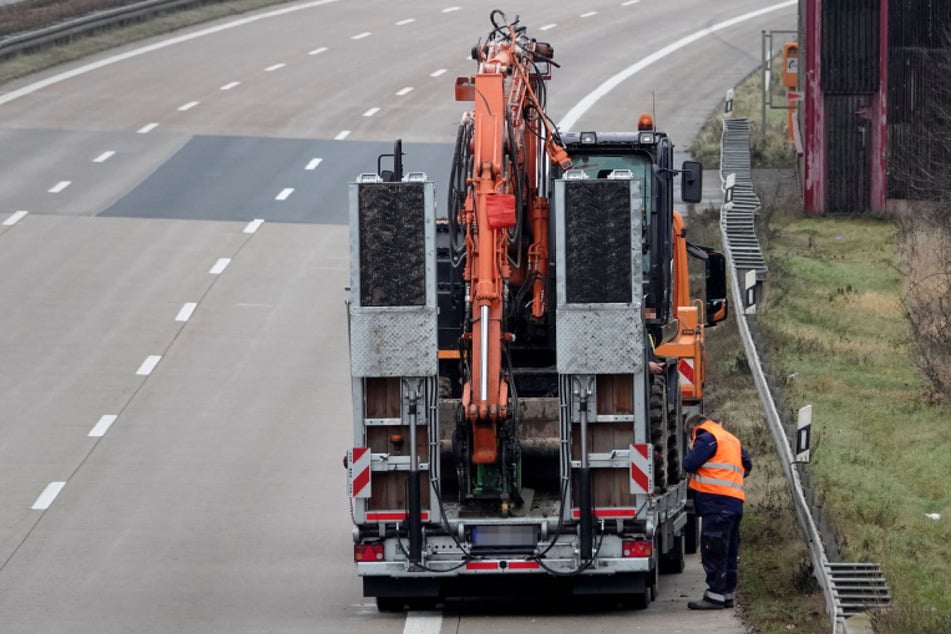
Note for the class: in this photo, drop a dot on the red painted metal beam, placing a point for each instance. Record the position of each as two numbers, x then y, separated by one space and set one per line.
878 164
814 157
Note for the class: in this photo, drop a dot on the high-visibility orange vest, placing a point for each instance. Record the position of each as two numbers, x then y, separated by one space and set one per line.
722 474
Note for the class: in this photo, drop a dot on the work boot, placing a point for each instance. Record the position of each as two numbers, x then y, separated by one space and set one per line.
704 604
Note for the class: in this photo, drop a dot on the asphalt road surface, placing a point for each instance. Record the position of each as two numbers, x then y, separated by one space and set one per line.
174 381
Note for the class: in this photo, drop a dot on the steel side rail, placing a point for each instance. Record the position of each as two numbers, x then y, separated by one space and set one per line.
15 44
807 525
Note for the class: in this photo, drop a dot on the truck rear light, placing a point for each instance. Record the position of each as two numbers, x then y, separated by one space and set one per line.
368 552
637 548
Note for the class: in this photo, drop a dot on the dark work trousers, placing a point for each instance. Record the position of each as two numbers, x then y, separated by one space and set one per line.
719 547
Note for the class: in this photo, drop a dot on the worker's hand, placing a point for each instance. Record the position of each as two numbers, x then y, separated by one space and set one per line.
655 368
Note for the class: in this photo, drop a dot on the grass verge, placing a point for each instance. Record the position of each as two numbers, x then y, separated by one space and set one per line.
880 460
769 147
777 592
26 64
838 335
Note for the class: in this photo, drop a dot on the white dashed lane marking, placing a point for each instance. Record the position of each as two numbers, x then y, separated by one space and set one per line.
588 14
547 27
60 186
220 266
105 156
402 92
188 106
312 165
629 3
102 426
186 311
405 22
274 67
148 127
360 36
285 193
230 85
48 495
15 217
254 225
343 134
149 364
450 9
371 112
438 72
317 51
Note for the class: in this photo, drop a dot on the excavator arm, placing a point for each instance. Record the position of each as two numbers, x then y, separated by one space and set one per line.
504 140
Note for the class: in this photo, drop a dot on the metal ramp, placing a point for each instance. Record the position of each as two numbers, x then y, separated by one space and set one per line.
741 204
858 587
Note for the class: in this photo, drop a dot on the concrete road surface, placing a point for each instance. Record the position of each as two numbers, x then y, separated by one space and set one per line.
173 373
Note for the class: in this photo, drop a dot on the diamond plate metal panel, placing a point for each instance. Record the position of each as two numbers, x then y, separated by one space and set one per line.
392 342
599 340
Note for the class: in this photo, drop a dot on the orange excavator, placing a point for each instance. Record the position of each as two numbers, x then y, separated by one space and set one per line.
498 159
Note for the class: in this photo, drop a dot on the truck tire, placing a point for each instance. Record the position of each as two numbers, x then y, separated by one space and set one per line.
390 604
672 562
691 534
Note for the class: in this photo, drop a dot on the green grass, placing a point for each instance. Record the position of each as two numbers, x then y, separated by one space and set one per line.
777 592
108 39
880 459
838 338
769 147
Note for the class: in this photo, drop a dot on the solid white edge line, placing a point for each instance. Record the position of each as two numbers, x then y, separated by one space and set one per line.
220 266
371 112
15 217
188 106
343 134
105 156
102 426
148 127
285 193
157 46
423 623
59 187
576 112
254 225
230 85
186 311
312 165
48 495
149 364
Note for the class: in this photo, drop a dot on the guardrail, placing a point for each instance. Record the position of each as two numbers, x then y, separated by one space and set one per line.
64 31
849 589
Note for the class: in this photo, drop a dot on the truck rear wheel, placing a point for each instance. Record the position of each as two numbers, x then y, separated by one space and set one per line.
691 534
672 562
390 604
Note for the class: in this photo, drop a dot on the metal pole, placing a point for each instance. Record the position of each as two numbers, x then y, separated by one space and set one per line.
414 526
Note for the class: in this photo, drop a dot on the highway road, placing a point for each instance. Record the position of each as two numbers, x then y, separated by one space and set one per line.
174 381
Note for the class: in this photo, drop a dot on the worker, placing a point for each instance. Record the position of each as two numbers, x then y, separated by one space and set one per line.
718 464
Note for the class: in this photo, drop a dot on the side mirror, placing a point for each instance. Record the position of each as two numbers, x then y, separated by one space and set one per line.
691 182
716 299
